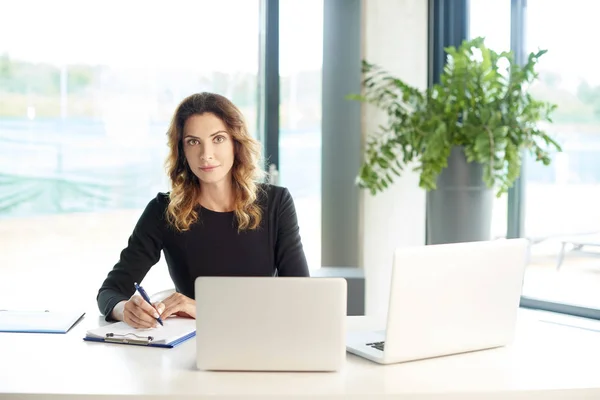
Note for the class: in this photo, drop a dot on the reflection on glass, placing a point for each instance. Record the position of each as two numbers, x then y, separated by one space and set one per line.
85 101
300 49
561 205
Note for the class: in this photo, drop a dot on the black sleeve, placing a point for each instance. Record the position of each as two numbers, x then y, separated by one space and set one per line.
142 252
289 252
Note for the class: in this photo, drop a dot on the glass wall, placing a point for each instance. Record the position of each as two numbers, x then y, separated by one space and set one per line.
86 93
496 32
300 66
562 213
491 20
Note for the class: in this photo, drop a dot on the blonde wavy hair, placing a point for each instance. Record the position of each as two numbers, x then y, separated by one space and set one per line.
246 171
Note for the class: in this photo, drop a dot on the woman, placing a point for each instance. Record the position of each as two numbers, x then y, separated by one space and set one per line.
217 219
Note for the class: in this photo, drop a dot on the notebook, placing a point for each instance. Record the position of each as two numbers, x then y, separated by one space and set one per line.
175 331
38 321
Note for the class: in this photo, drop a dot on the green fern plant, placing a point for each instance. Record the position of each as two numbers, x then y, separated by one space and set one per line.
481 104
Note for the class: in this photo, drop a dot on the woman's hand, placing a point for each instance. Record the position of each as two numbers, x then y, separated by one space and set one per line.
137 313
177 304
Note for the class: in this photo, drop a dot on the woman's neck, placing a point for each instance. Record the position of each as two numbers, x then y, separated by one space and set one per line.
217 196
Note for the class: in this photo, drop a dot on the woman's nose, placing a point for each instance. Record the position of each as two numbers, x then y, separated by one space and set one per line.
206 153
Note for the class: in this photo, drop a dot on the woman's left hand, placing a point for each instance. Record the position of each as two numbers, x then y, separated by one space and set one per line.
177 304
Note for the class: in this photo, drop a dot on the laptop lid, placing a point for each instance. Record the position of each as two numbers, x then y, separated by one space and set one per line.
270 324
453 298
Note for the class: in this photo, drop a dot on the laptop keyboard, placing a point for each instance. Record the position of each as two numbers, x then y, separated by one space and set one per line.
377 345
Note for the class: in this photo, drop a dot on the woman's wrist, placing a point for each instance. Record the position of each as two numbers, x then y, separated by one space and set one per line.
117 311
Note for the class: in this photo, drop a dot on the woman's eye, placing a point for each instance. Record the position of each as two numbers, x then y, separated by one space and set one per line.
192 142
220 139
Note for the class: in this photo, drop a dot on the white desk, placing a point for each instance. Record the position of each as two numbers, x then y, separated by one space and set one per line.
547 361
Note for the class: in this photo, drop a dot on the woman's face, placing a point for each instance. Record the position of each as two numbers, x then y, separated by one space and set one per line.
208 148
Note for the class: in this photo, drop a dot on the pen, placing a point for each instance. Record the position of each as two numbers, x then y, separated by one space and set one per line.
145 296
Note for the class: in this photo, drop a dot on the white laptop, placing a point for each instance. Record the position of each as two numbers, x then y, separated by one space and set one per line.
448 299
270 323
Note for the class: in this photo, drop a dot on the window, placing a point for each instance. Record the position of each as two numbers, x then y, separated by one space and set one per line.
560 202
496 32
85 100
300 66
562 213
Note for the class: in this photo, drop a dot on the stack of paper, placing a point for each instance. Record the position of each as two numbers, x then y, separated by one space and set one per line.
38 321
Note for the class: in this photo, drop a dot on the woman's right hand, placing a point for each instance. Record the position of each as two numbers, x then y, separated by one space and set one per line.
137 313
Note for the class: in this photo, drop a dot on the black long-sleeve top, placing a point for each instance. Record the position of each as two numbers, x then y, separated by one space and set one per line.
211 247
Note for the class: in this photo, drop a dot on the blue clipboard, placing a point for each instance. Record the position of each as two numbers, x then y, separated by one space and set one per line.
140 341
174 332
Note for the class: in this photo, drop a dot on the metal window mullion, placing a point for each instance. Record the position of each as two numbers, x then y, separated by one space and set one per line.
269 96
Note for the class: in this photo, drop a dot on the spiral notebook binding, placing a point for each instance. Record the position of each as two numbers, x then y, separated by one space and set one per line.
125 339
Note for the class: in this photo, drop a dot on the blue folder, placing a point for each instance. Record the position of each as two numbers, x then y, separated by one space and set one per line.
38 321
